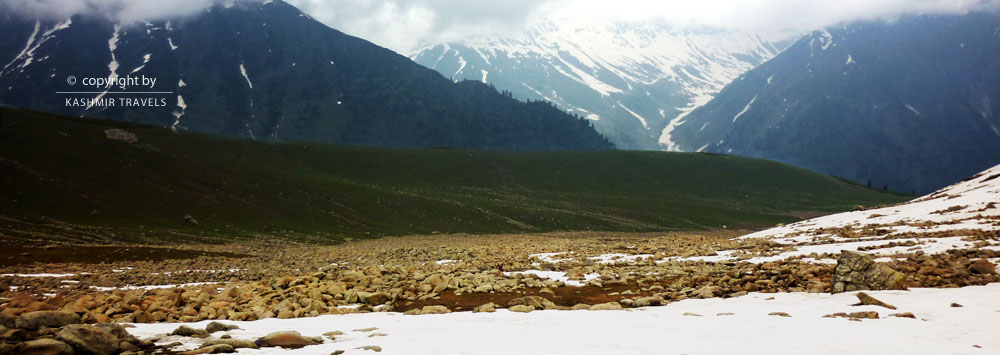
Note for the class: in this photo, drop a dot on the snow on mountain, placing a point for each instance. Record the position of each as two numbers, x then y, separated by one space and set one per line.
632 79
908 105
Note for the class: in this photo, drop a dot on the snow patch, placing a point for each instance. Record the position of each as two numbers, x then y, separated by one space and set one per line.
145 60
636 115
745 109
243 70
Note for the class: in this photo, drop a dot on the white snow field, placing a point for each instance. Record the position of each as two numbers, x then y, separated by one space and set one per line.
938 329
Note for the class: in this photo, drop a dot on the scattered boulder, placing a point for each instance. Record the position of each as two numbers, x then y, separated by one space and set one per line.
332 335
49 319
190 220
89 339
903 315
211 349
43 347
708 291
534 301
219 327
436 309
983 266
854 315
120 135
378 298
690 314
486 308
867 300
286 339
956 305
520 308
858 271
186 331
235 343
610 306
374 348
779 314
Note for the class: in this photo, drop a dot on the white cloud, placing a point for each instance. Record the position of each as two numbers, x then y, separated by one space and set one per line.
402 25
120 10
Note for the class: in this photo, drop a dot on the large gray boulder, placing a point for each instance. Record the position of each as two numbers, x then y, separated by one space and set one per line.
858 271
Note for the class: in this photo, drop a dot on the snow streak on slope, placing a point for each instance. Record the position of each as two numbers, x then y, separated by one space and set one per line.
661 71
112 66
243 70
745 109
27 55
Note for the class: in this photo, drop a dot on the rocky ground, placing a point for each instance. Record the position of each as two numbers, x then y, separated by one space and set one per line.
433 275
950 239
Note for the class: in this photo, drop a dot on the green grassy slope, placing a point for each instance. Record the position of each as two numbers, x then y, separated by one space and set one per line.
63 179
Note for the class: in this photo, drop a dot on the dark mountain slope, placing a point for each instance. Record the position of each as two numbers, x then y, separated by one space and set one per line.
913 104
270 71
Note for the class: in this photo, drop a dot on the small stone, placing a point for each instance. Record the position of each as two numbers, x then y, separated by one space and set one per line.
867 300
689 314
725 314
374 348
365 330
332 335
779 314
956 305
903 315
373 335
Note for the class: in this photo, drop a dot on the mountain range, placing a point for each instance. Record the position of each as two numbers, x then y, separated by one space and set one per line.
265 70
630 78
910 105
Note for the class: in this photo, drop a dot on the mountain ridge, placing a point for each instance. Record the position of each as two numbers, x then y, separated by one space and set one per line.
269 71
631 78
909 105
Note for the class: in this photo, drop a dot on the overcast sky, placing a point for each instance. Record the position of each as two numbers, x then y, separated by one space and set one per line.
402 25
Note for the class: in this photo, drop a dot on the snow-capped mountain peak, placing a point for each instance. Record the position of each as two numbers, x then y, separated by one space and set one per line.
632 78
